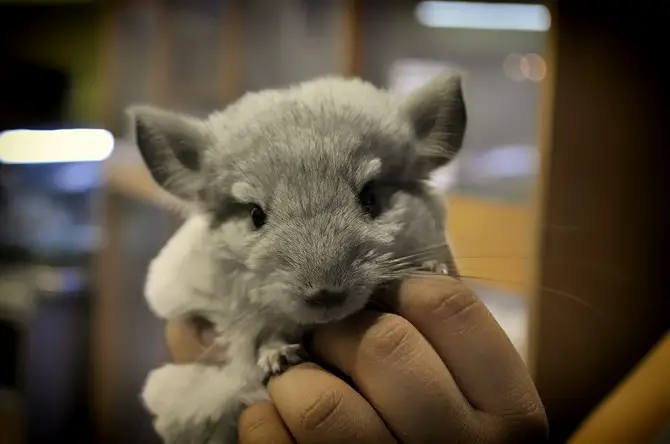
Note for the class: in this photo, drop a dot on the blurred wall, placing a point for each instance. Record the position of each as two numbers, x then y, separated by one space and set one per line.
129 338
493 241
290 41
196 56
502 111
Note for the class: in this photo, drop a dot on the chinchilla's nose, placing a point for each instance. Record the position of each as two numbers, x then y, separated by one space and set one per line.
326 298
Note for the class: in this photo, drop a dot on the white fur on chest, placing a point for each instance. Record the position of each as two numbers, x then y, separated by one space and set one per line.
187 278
180 278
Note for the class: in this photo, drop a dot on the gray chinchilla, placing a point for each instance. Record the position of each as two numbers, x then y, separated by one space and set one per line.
302 201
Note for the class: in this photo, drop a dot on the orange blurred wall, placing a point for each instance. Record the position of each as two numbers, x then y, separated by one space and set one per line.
492 241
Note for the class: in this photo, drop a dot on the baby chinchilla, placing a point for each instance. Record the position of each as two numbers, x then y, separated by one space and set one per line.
303 201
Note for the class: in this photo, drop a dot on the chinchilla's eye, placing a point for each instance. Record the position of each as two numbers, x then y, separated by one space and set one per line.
369 201
257 216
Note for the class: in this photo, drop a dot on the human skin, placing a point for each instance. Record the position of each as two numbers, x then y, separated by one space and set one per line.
431 364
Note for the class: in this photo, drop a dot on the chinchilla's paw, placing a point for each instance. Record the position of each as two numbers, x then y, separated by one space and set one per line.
188 401
277 357
435 267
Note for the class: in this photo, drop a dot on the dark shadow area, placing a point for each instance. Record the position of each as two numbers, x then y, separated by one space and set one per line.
46 258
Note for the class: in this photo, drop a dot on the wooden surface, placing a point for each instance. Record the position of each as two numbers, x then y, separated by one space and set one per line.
601 293
647 391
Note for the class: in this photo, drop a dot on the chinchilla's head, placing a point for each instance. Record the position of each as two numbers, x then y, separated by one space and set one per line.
303 186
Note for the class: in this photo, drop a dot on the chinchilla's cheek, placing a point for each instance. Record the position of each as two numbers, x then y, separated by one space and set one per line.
261 254
232 240
254 261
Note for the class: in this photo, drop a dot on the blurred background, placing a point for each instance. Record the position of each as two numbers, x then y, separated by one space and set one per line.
553 203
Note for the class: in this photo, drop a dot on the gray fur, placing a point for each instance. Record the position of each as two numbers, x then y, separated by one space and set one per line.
302 154
172 146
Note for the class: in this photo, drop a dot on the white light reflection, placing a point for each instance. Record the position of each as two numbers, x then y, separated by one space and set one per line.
519 67
485 16
55 146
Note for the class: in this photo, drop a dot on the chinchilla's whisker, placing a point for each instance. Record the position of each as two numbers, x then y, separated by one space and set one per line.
400 266
493 257
620 275
390 276
205 352
578 300
404 269
409 263
481 278
421 252
398 274
424 274
416 262
563 294
428 248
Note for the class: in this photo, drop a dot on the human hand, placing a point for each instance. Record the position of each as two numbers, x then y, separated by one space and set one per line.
189 340
439 369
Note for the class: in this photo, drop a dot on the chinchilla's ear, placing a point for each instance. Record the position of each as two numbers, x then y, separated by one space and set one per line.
437 113
172 146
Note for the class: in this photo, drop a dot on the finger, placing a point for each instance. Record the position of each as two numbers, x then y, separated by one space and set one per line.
397 370
191 340
319 408
480 356
182 341
261 424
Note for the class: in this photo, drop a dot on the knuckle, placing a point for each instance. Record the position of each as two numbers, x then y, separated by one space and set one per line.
387 337
451 302
530 428
252 430
253 423
321 411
